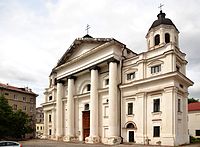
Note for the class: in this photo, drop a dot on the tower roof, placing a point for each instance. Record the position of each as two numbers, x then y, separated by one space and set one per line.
162 20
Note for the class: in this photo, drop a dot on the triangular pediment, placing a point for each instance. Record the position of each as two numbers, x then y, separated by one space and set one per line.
81 46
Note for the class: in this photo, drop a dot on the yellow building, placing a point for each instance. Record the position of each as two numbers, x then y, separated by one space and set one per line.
21 98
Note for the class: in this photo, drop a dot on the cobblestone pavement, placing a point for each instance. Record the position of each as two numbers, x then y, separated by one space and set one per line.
51 143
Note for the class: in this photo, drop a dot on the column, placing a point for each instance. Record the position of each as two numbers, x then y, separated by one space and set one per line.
94 137
45 133
113 104
70 110
59 120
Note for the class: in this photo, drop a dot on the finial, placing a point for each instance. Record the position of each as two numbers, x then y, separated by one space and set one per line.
160 7
87 28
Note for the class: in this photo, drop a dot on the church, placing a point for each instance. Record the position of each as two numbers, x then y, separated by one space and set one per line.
100 91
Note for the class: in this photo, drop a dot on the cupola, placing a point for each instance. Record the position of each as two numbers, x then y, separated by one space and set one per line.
162 32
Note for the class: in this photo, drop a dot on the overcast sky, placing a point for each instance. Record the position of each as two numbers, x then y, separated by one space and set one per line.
34 34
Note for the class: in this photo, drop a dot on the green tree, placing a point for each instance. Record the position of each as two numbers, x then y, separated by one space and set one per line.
192 100
13 124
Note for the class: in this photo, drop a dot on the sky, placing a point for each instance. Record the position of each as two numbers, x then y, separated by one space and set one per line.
34 34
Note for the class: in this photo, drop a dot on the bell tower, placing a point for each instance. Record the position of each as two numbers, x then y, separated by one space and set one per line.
162 32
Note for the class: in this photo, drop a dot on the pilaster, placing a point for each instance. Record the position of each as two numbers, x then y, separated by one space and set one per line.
45 133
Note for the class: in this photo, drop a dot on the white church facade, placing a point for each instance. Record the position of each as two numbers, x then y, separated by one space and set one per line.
101 91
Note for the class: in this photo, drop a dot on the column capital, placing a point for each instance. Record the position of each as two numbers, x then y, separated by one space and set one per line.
95 67
60 81
71 77
112 60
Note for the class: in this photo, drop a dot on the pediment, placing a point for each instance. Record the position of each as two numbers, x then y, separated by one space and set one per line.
81 46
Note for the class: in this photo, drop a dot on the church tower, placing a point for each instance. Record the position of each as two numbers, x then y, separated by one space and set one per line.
161 32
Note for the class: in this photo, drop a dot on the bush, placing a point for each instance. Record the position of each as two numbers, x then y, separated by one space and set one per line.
194 140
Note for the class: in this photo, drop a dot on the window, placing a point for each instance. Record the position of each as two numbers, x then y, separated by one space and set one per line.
6 93
14 107
157 39
49 117
24 108
31 108
87 107
40 128
24 99
130 125
155 69
49 131
37 128
15 97
31 100
156 131
167 38
197 132
50 98
131 76
88 87
156 105
107 82
179 105
130 108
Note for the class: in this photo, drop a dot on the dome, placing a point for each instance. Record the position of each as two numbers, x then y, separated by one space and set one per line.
162 20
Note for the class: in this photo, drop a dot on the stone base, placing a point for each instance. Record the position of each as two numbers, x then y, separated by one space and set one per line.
70 138
114 140
44 137
59 138
92 139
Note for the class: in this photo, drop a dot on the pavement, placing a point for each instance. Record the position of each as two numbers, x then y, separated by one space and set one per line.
51 143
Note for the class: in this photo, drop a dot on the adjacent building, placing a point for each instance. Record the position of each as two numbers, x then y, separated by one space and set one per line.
102 91
21 98
194 119
39 122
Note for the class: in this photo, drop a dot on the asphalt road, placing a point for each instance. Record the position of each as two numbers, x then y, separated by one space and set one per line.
51 143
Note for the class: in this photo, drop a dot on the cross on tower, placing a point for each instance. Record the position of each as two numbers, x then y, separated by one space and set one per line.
161 5
87 28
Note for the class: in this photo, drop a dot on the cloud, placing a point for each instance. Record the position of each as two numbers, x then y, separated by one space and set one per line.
35 34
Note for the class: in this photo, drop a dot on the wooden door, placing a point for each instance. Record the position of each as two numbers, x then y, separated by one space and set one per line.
86 124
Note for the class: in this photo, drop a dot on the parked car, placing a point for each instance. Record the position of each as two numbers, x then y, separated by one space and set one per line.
10 144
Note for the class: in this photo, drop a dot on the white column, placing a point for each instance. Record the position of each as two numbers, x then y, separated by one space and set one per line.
113 128
59 120
45 134
113 105
70 109
94 137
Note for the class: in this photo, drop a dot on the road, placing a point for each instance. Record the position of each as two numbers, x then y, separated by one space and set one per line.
51 143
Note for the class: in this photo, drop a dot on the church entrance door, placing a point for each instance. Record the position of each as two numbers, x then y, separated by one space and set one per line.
131 136
86 124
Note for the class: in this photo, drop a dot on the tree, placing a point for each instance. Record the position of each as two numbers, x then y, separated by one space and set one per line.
13 124
192 100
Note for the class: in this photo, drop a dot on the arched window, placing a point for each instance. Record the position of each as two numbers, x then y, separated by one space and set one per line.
167 38
88 87
87 107
157 39
130 125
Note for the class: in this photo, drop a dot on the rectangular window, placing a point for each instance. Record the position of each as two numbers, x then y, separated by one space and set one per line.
24 108
155 69
107 82
49 131
49 117
24 99
37 128
6 93
50 98
197 132
156 131
31 108
130 108
131 76
88 87
156 105
15 97
31 100
14 107
40 128
179 105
